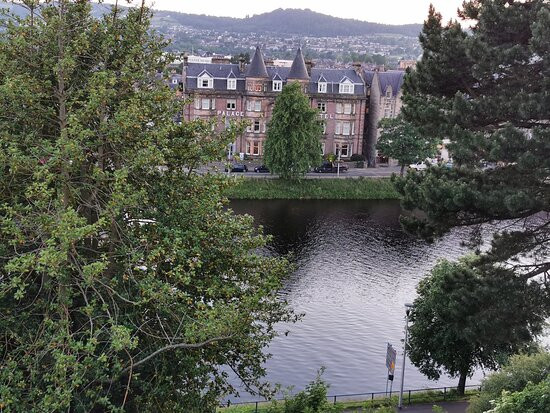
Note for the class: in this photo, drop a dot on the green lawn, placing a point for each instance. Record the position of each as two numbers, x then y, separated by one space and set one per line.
360 188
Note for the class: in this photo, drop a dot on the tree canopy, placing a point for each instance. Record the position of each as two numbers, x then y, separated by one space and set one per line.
401 140
487 91
125 284
292 146
467 317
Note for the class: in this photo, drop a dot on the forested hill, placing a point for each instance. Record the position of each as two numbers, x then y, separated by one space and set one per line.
282 21
286 21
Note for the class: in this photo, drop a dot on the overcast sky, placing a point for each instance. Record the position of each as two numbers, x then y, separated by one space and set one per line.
378 11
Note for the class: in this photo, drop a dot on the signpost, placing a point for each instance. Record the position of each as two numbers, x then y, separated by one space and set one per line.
391 355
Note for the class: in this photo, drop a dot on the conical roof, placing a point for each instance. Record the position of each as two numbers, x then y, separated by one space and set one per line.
298 70
257 65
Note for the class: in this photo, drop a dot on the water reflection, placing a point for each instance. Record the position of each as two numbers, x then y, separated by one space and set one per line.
355 269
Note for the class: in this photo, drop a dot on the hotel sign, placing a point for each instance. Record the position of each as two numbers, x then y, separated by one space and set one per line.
231 113
326 116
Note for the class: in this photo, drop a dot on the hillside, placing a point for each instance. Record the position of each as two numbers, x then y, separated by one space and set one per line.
281 21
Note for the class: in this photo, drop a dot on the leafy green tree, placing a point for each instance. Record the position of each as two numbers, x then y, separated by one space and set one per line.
292 146
124 282
533 399
512 377
468 316
401 140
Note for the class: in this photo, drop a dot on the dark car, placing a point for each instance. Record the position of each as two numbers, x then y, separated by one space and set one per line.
261 169
238 167
329 167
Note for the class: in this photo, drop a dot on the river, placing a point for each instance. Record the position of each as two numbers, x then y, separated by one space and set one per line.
355 270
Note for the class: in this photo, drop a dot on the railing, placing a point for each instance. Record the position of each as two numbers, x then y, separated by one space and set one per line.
371 396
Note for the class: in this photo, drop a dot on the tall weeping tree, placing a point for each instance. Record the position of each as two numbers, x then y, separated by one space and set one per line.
488 92
124 282
293 146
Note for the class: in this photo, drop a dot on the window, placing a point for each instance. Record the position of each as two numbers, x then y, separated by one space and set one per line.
205 82
347 87
322 148
231 104
257 105
338 128
322 87
389 92
277 85
197 103
339 108
322 106
346 128
324 126
208 104
347 108
256 126
258 87
343 148
253 148
174 81
254 105
231 84
387 113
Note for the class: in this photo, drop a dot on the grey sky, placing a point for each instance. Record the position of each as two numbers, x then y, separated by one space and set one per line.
379 11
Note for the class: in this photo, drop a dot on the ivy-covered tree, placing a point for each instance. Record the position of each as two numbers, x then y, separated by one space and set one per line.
401 140
292 146
124 282
467 317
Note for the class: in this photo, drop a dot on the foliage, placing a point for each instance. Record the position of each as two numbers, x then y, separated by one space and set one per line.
401 140
311 400
361 188
124 283
356 157
468 316
488 93
533 399
292 146
513 377
438 409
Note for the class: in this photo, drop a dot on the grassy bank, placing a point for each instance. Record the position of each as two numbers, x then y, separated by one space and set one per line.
424 397
360 188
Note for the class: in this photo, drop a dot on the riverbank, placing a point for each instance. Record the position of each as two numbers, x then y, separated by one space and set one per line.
359 188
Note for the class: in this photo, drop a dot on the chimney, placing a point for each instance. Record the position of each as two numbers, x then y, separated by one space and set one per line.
186 60
221 60
309 66
357 67
242 65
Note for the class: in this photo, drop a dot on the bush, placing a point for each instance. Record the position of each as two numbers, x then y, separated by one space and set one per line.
513 377
311 400
357 157
534 398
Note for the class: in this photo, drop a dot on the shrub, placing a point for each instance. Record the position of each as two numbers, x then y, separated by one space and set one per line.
357 157
513 377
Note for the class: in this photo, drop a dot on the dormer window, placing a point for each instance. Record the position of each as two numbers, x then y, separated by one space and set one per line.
231 84
322 87
277 85
388 92
205 81
347 87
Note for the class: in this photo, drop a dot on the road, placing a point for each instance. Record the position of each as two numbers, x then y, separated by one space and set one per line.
381 172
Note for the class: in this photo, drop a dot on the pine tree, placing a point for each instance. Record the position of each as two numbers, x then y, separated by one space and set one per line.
292 146
124 282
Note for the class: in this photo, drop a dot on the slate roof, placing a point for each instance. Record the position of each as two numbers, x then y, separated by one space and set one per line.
393 78
333 77
298 70
257 65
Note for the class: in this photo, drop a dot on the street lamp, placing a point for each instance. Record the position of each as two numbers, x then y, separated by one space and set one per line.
408 307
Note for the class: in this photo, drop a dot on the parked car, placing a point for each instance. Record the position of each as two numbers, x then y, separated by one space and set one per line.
261 169
238 167
419 166
330 167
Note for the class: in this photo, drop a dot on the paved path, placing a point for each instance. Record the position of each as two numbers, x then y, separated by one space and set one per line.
449 407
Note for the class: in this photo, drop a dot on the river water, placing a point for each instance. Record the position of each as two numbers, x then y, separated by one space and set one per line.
355 270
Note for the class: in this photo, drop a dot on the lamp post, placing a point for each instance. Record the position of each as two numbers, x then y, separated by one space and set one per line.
407 312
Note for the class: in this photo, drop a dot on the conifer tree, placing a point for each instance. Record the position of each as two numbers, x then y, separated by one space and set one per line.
292 146
124 282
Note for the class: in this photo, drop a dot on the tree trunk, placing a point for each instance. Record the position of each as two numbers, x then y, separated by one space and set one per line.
402 170
462 383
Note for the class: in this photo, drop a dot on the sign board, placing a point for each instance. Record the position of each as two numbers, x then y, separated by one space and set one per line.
391 355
